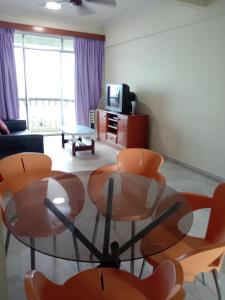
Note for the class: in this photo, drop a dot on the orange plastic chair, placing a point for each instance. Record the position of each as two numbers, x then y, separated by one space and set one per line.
139 161
109 284
18 171
143 162
198 254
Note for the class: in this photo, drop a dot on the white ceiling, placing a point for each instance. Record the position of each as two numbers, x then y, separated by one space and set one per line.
102 14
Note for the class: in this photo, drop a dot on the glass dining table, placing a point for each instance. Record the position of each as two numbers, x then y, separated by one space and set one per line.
65 207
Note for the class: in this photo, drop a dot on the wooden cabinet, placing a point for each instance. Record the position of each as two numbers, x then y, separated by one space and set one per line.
123 131
101 125
122 125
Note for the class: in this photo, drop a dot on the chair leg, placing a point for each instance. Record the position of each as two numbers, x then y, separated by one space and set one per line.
203 278
32 254
217 282
142 268
132 248
77 253
7 242
95 231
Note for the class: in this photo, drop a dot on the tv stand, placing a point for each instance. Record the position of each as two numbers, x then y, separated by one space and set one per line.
122 131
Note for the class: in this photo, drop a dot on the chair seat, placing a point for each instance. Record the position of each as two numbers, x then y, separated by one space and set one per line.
187 245
29 214
129 195
124 208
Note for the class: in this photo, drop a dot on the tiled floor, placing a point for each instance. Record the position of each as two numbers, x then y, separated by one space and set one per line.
181 179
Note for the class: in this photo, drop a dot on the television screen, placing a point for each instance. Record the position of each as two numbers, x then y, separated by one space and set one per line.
118 98
114 95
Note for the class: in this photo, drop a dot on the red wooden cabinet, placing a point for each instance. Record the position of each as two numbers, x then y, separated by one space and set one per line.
123 131
122 125
101 125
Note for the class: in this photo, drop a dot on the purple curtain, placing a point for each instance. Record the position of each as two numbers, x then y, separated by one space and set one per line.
9 105
89 55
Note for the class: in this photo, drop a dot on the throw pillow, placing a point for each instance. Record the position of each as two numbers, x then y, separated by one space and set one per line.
3 128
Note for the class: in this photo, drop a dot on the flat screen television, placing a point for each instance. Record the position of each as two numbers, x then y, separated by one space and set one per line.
118 98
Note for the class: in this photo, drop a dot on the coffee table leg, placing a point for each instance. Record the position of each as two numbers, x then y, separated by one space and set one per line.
92 146
74 148
63 140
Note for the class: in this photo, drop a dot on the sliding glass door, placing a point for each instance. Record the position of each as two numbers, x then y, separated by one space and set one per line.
68 88
45 73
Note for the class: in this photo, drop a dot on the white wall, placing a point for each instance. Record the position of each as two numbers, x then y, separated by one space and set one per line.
173 57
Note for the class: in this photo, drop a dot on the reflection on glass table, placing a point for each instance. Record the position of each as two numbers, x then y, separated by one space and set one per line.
72 203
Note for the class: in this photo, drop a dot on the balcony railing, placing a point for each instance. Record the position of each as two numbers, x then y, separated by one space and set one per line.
47 114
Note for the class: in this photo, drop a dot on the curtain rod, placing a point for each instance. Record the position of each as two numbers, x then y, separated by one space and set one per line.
48 30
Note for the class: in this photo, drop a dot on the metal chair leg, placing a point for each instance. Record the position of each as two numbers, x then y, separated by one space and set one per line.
7 242
132 248
142 268
32 254
217 283
95 231
77 253
203 278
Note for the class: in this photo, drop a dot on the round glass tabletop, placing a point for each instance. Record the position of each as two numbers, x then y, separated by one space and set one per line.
57 216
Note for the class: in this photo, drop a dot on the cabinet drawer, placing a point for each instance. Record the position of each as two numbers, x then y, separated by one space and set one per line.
111 137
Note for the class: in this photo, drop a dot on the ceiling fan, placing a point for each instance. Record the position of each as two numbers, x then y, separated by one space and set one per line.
79 4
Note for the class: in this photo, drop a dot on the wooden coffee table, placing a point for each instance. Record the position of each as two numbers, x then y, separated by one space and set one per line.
75 135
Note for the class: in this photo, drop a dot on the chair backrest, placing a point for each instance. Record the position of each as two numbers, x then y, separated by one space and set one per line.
16 164
95 284
216 225
166 282
139 161
38 287
14 168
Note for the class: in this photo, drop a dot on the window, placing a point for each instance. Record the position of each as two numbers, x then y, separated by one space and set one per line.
46 83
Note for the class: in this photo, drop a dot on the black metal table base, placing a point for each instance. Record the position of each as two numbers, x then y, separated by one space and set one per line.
110 258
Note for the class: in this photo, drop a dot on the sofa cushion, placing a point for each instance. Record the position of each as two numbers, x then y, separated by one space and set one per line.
15 125
3 128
